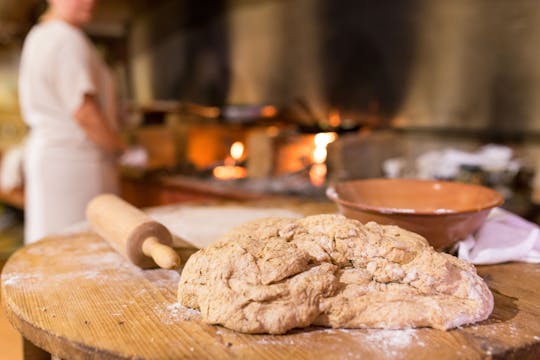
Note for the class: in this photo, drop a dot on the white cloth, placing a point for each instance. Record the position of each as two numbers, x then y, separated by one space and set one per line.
502 238
63 168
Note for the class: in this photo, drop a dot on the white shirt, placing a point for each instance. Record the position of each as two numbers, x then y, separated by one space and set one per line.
58 66
63 168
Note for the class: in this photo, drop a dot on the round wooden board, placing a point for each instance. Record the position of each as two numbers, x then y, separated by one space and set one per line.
76 298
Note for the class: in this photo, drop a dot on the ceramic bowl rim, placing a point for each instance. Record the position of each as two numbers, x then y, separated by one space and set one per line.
332 194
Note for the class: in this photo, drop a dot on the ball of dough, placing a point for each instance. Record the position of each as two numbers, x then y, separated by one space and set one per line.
276 274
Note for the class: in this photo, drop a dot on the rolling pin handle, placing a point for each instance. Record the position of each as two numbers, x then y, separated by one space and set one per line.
164 256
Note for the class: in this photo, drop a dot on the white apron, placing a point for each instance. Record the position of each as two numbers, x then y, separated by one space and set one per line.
63 169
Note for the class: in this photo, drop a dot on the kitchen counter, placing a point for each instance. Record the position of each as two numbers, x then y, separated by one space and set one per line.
156 190
164 189
74 297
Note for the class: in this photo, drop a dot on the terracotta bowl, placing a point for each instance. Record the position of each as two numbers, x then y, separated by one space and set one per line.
443 212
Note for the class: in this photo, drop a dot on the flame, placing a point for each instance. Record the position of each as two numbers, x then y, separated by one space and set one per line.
321 141
319 155
317 173
268 111
237 150
334 118
229 170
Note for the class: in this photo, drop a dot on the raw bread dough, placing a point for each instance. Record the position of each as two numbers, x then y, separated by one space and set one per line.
276 274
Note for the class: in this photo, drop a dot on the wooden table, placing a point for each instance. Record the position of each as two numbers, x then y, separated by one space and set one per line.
74 297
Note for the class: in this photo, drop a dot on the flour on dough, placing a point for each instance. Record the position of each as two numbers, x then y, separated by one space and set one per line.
276 274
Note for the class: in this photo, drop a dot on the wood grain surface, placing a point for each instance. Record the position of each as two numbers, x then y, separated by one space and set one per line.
75 297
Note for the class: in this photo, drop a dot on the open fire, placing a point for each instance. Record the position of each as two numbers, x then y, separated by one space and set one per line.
317 172
230 170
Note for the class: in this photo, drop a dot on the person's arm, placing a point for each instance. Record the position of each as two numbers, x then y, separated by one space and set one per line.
90 117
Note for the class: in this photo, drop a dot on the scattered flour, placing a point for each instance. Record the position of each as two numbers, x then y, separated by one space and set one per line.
15 279
175 313
392 342
383 344
392 338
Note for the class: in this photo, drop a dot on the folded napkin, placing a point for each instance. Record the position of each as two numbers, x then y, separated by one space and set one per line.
502 238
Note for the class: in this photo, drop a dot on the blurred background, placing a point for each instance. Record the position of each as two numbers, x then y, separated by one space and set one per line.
246 99
251 99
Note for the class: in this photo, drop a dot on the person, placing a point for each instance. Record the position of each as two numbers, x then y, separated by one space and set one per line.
67 98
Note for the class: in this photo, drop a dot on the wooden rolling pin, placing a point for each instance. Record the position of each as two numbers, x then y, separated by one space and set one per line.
142 240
